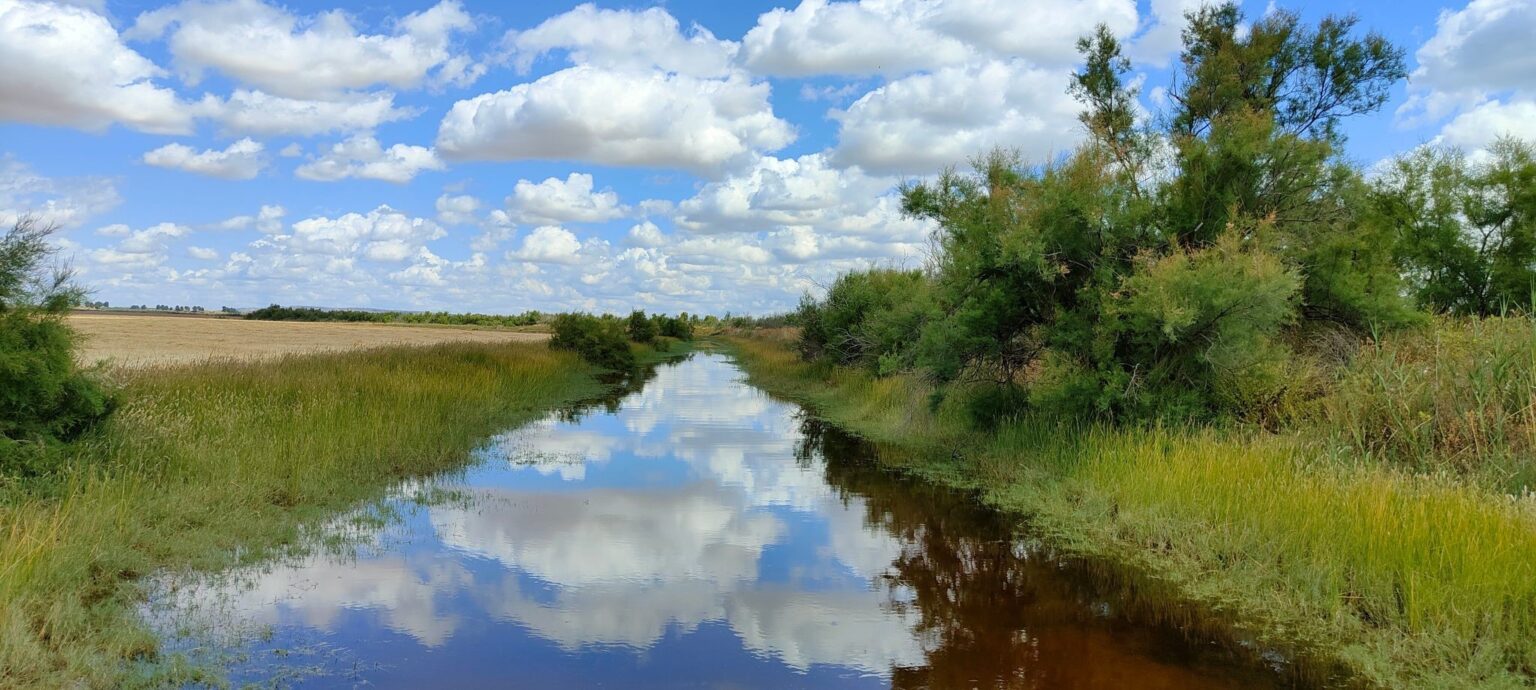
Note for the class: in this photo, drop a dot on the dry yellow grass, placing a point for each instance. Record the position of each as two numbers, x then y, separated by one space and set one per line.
143 339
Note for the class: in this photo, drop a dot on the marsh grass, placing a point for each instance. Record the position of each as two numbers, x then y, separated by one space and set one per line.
222 463
1458 398
1316 538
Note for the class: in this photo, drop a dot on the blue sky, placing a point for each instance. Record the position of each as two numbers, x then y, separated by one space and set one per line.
498 157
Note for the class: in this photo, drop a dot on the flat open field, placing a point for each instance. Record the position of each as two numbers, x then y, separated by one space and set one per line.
143 339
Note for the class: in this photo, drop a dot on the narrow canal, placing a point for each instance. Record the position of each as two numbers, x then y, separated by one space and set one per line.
695 533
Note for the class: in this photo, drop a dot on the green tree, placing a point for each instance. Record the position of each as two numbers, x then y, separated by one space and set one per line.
641 328
44 398
1254 129
1152 271
1466 230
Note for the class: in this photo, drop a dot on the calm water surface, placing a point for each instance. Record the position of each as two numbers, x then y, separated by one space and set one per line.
696 533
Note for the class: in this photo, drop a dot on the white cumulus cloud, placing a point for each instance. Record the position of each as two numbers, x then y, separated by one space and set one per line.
301 57
260 113
614 117
66 65
241 160
921 123
898 36
571 200
624 38
362 156
548 244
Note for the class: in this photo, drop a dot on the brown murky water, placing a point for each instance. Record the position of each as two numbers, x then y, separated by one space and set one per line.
696 533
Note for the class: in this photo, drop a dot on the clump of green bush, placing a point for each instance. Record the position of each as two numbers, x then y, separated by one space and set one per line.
680 326
867 319
44 397
600 340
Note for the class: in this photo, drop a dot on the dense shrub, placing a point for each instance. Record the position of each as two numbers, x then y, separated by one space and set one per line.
867 319
601 341
44 398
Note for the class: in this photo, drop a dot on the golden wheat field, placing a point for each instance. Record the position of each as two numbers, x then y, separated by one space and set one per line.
147 339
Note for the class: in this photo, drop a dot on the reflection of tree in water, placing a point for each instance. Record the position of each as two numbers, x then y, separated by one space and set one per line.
994 613
619 385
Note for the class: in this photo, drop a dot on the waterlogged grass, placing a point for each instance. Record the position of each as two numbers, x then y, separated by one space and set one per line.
1308 538
215 464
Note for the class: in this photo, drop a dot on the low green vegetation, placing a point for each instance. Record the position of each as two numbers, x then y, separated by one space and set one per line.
44 398
205 466
280 313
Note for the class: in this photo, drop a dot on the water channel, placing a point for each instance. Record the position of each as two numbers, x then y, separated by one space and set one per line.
694 533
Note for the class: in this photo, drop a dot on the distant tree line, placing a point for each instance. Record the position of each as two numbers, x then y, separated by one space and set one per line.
1185 265
281 313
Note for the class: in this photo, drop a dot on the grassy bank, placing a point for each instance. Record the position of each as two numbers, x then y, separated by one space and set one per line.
1375 532
209 465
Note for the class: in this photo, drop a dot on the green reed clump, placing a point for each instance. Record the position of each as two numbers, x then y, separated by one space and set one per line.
1458 397
209 465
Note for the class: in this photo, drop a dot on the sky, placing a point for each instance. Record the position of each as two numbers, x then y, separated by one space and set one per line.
495 157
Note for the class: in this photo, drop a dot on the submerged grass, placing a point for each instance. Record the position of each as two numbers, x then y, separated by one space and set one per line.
1316 538
220 463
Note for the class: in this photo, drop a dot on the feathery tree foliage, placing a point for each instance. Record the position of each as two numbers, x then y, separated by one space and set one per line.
44 398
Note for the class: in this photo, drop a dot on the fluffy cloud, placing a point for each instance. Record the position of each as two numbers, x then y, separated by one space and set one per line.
202 253
362 156
624 38
921 123
571 200
139 249
260 113
1478 69
66 202
66 65
548 244
895 37
457 209
1478 127
1482 47
302 57
382 234
242 160
775 192
615 117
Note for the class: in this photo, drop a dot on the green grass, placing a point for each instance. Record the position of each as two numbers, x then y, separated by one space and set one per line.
1408 565
215 464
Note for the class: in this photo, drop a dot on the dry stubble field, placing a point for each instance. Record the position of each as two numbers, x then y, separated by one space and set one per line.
148 339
